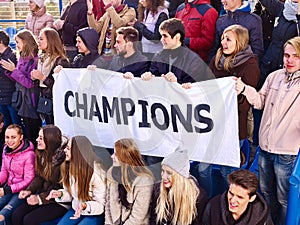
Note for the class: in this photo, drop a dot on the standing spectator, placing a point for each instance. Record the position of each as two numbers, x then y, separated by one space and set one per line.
87 42
279 133
199 19
72 19
177 199
17 170
239 12
151 13
129 60
241 204
130 186
84 184
29 91
38 18
176 63
2 134
52 54
117 15
7 85
49 157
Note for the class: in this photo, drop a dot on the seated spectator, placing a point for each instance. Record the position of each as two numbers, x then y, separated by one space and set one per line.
2 133
84 184
199 19
52 54
117 15
279 131
130 186
176 63
7 85
17 170
151 13
129 60
72 19
87 41
49 157
38 18
241 204
177 199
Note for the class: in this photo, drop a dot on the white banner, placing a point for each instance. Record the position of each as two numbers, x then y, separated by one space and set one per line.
158 114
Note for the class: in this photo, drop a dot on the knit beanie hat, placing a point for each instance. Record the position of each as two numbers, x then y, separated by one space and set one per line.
90 38
39 3
179 162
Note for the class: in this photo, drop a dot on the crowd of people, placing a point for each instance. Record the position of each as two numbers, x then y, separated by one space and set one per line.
45 176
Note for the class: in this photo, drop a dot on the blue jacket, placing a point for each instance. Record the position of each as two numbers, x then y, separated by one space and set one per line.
283 31
7 85
245 18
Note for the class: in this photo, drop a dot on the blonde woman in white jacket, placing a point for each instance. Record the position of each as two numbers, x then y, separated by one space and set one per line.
84 184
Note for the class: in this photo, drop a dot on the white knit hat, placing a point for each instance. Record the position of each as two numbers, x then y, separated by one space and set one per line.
179 162
39 3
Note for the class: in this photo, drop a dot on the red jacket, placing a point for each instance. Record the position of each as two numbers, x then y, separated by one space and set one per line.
199 19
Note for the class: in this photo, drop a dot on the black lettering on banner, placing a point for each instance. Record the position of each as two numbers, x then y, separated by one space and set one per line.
166 121
125 112
82 106
202 119
112 110
144 122
94 109
187 123
66 104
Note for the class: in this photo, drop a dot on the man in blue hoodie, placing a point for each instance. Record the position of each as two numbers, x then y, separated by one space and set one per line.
239 12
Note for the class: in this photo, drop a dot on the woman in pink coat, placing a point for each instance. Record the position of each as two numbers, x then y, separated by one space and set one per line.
17 170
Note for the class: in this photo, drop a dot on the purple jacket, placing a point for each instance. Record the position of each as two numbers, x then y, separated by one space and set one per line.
18 168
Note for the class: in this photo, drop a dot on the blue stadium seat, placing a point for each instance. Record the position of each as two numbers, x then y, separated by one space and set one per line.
11 31
246 150
293 210
254 165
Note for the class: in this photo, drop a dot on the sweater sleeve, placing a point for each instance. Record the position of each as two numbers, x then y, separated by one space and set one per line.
97 25
118 21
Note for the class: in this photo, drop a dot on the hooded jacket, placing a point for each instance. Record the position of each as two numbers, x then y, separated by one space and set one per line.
244 17
35 21
18 168
199 19
217 213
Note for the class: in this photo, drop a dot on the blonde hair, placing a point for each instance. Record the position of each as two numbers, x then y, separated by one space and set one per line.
179 202
129 156
241 35
295 42
30 46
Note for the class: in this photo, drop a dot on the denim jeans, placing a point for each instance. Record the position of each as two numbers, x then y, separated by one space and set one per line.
82 220
8 203
10 115
274 174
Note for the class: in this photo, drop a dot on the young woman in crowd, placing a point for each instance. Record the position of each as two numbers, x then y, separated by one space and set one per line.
38 18
17 170
130 186
52 54
177 199
49 157
151 13
84 184
28 90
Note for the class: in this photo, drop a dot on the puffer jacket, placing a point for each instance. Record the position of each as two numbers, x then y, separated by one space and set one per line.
199 19
35 21
18 167
244 17
283 31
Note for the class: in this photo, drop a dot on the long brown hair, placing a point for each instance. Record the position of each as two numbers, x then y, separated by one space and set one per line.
242 39
30 47
130 159
55 46
80 167
43 160
152 6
